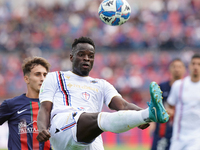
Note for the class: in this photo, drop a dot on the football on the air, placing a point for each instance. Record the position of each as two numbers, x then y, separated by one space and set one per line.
114 12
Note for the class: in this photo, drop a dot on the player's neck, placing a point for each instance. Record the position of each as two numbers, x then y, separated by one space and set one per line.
32 94
195 78
172 81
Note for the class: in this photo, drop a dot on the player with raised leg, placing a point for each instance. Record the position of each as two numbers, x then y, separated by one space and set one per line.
72 101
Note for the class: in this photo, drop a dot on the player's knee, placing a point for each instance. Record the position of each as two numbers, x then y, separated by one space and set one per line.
87 127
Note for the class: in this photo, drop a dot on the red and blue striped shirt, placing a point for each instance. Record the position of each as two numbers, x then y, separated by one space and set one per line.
21 114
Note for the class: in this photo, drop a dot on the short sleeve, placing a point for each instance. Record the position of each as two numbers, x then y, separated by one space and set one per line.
109 92
48 88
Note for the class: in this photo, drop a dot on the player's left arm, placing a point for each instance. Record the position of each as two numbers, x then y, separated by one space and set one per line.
114 100
5 112
118 103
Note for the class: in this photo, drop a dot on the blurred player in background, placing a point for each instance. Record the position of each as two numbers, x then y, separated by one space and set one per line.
21 111
73 102
163 132
185 98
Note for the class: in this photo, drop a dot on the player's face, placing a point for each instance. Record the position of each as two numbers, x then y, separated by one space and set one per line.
177 69
195 67
82 59
35 78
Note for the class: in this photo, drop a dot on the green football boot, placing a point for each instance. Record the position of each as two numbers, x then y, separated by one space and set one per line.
157 112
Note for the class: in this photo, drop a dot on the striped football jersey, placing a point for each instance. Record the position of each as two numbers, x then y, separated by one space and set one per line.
21 114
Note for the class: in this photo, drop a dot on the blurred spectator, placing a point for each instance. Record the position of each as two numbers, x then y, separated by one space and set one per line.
172 24
134 53
130 72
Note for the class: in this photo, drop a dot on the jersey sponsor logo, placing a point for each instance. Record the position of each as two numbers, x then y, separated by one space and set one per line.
86 95
27 128
69 85
82 87
68 77
19 112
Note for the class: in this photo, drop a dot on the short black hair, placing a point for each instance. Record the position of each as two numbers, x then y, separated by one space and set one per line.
82 40
195 56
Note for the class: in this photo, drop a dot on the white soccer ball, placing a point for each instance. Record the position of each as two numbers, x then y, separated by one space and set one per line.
114 12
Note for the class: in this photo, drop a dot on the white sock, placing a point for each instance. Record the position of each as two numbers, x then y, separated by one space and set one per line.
121 121
145 115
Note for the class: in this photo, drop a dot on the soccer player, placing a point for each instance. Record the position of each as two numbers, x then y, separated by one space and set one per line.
72 101
21 111
185 98
163 132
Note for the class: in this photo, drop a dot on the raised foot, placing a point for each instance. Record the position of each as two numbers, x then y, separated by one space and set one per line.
157 112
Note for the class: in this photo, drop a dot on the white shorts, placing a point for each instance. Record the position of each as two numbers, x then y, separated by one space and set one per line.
193 144
63 133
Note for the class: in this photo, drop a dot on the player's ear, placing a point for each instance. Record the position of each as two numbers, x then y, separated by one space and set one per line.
71 57
26 79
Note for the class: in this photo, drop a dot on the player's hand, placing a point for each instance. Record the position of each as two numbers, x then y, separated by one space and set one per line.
144 126
43 136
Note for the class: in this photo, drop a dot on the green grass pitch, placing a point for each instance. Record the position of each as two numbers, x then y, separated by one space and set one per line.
125 147
120 147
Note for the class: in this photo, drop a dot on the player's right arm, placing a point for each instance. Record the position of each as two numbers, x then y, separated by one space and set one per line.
43 121
46 96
